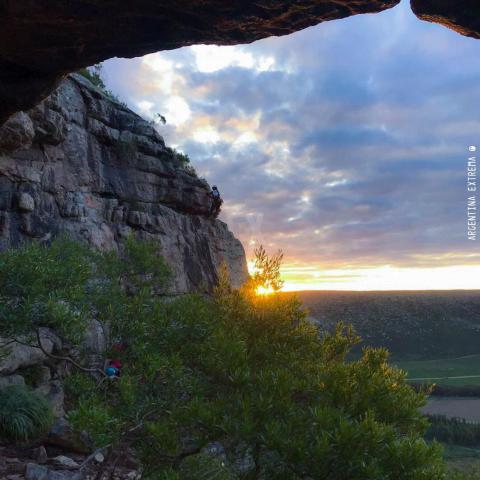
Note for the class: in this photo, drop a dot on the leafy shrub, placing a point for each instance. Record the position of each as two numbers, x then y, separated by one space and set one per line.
182 158
63 285
24 414
45 286
250 369
179 158
237 367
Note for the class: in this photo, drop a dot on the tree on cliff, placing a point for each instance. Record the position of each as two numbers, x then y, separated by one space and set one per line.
238 385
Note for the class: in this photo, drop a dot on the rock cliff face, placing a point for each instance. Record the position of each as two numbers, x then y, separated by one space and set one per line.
463 16
41 41
84 164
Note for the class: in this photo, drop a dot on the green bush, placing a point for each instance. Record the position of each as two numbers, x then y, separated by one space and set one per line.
24 414
63 285
237 367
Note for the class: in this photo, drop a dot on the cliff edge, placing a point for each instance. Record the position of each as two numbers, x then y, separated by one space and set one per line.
82 163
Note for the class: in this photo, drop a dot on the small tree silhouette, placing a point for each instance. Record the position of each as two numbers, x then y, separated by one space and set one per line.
267 270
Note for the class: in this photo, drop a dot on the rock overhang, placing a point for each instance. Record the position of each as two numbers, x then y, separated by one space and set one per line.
40 42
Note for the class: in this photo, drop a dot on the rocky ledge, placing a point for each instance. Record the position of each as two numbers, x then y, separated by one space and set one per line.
41 41
463 16
84 164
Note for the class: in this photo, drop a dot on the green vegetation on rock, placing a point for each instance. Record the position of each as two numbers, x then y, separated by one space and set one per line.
94 75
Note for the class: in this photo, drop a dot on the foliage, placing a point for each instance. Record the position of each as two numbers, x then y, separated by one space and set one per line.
266 274
45 287
158 118
238 368
203 467
63 285
229 367
453 430
190 169
24 414
94 75
180 158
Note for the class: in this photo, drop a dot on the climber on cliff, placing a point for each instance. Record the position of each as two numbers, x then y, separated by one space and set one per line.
216 202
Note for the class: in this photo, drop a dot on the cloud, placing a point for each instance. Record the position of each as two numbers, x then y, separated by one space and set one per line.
344 144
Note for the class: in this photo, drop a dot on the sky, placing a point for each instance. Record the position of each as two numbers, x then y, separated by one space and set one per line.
344 145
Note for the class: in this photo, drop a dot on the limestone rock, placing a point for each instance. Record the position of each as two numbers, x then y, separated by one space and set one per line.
41 41
95 340
34 471
63 461
463 16
62 435
53 391
41 454
242 460
10 380
44 375
17 133
26 202
20 356
99 172
214 449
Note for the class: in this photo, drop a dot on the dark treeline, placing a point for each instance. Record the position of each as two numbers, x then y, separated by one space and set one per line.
456 431
449 390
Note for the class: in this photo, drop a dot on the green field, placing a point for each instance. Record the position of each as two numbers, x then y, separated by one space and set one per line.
461 458
452 371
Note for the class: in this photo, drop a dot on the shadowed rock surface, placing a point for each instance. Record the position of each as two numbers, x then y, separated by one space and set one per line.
82 163
463 16
41 41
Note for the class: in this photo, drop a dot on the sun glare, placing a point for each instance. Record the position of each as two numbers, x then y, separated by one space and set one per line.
264 291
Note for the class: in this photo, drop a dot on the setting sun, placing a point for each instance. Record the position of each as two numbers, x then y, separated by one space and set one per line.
264 291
